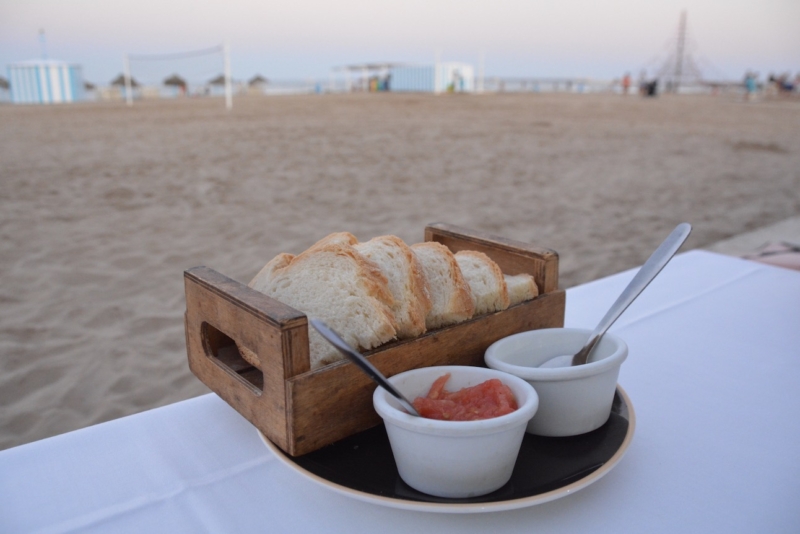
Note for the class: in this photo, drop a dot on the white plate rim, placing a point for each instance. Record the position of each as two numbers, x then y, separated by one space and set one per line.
468 508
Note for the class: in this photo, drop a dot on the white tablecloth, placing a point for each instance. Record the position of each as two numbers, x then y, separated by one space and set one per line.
713 375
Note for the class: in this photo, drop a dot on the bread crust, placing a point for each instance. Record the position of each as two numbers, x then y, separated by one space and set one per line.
410 292
336 238
370 291
521 287
499 298
357 299
459 306
265 274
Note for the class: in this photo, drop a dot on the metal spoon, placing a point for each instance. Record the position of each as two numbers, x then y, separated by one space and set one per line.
362 363
646 273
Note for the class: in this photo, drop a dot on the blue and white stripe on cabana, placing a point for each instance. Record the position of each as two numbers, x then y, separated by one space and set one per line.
437 78
45 81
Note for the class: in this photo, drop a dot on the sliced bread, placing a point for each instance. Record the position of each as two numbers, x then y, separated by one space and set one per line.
335 283
521 287
278 262
485 279
405 279
337 238
281 260
451 301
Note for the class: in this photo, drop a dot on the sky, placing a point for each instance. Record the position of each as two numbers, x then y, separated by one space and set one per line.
304 39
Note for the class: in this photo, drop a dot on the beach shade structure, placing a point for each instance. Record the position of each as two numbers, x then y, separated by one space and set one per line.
257 81
120 81
175 81
89 86
257 85
3 83
216 86
219 80
45 81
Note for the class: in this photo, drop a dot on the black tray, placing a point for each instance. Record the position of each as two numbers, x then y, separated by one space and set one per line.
362 466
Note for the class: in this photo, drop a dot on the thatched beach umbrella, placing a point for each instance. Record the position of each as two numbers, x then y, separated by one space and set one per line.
120 80
89 86
175 81
257 80
219 80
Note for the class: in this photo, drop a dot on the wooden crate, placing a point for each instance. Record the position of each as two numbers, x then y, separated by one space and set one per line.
302 410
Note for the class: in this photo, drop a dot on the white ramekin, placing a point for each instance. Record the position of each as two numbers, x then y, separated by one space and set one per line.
572 400
454 459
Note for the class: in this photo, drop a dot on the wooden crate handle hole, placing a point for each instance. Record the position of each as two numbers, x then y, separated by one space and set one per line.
222 350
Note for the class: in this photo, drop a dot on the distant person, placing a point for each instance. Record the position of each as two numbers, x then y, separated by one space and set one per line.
750 86
651 88
626 83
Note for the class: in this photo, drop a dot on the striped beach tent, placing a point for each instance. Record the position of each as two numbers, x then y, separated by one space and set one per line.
436 78
45 81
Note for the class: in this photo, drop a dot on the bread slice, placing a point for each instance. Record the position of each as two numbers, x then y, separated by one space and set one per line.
337 238
521 287
283 259
333 282
278 262
485 279
451 300
405 279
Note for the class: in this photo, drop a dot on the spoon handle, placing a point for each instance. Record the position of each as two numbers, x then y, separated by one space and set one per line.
646 273
362 363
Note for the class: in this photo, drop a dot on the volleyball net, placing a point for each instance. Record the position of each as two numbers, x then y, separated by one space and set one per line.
203 72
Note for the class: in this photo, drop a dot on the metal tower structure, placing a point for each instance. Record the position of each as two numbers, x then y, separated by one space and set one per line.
679 67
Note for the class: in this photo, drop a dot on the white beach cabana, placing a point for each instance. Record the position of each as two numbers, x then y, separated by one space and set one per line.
440 77
45 81
437 78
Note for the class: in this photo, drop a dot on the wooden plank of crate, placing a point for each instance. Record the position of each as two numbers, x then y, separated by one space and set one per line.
219 311
334 402
513 257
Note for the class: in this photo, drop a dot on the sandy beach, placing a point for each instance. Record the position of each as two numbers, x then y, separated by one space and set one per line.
102 208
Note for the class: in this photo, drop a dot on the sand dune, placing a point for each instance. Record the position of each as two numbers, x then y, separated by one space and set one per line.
102 208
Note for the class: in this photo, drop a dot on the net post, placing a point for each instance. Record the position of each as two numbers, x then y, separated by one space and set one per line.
228 88
128 89
481 60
